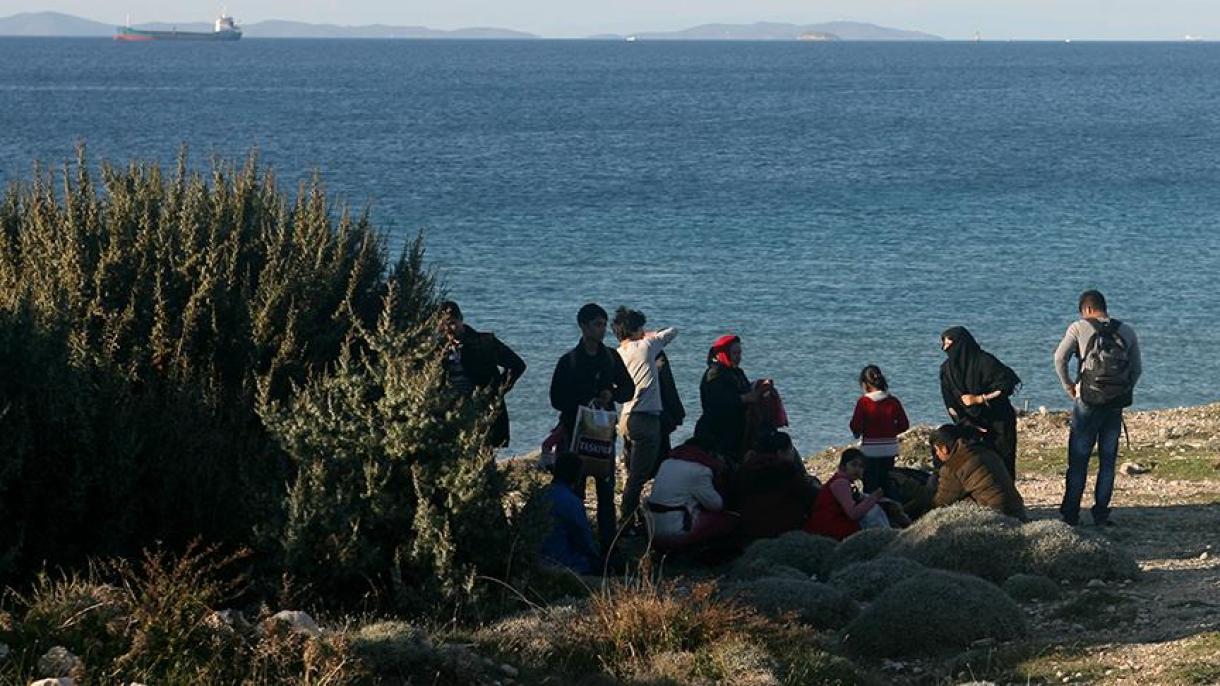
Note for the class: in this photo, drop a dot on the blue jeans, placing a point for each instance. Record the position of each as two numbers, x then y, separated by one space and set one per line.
1091 426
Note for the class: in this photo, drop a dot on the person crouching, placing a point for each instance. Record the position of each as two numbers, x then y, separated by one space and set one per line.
838 512
686 508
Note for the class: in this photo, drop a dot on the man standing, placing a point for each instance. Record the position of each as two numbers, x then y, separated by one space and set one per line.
642 414
475 361
1108 367
592 373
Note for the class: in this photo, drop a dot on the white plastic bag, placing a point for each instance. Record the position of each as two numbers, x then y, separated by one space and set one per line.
594 439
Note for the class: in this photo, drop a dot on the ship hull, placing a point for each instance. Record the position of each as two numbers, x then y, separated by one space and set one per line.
128 35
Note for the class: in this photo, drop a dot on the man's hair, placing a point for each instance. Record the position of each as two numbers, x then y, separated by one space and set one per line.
449 308
850 455
772 442
872 376
945 435
626 322
566 468
1092 300
590 312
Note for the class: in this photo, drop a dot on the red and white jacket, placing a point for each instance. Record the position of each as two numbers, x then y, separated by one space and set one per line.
877 421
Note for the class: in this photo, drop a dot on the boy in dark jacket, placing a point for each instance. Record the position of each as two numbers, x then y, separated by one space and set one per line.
592 373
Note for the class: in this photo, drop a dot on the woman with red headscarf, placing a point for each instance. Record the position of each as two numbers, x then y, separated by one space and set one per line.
726 395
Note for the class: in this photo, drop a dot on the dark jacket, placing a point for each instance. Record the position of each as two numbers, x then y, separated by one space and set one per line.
724 414
975 471
672 411
488 363
580 377
772 494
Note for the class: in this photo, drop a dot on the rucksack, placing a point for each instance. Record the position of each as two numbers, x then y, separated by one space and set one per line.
1105 368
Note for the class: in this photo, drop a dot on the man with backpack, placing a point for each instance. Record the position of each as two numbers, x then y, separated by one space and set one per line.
1108 367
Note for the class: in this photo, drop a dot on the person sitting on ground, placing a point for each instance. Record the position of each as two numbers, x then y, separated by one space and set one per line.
475 361
878 419
686 507
971 470
838 512
569 542
726 396
976 388
771 491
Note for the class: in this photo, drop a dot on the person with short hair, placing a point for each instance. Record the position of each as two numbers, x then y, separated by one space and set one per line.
592 373
976 388
877 421
475 361
569 541
971 470
1108 367
837 512
641 415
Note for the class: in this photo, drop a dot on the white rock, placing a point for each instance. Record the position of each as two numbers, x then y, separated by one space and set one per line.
299 622
1204 555
62 681
1095 583
58 662
3 651
509 670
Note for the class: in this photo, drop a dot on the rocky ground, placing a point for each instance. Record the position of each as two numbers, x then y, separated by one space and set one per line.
1163 629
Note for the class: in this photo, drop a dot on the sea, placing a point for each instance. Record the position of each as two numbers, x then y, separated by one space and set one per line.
834 204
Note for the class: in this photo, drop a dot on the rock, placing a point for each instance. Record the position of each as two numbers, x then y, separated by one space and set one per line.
61 681
59 662
4 651
1134 468
1204 555
1095 583
299 622
509 670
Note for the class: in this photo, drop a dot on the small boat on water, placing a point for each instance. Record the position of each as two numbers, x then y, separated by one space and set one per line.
225 30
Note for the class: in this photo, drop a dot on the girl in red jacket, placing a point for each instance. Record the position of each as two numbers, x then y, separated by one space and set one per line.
877 421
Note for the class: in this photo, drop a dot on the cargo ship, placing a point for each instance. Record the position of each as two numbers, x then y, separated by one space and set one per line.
226 29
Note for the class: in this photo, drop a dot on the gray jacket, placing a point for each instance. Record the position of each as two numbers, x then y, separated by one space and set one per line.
1077 339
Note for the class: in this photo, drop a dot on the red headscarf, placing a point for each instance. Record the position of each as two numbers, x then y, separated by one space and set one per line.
720 350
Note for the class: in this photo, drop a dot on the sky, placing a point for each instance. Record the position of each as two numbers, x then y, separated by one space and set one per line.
993 19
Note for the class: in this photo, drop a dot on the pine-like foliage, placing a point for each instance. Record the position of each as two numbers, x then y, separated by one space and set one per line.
397 499
196 356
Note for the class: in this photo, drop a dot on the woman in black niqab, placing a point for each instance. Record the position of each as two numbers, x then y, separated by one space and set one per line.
976 388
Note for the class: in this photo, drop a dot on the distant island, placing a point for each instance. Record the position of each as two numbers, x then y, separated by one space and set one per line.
55 24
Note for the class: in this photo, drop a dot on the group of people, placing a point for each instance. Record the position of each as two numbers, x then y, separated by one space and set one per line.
739 477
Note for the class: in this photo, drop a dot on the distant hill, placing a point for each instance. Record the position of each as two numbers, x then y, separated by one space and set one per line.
51 24
56 24
837 30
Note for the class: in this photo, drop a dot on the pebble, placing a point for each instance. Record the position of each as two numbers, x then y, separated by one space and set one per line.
1204 556
509 670
1096 583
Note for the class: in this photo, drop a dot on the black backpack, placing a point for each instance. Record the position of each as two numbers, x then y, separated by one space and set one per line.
1105 368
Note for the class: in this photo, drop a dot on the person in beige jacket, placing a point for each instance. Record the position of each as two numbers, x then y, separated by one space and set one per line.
972 470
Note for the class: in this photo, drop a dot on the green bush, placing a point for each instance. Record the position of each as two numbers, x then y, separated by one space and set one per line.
864 581
1029 587
819 605
861 546
761 567
950 611
1064 553
965 538
795 549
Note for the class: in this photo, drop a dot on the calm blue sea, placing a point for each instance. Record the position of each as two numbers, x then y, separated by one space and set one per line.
834 204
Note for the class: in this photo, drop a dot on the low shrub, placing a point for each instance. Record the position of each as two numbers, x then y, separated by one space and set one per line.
1062 552
400 652
1098 609
950 610
861 546
819 605
760 568
796 549
965 538
1030 587
864 581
